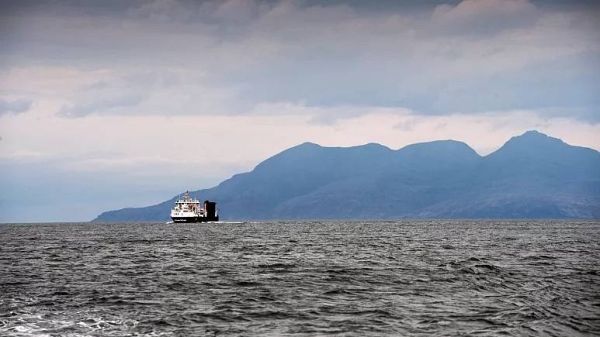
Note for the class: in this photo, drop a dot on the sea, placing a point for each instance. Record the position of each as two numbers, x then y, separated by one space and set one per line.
301 278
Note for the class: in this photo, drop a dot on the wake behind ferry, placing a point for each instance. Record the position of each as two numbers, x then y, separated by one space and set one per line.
189 210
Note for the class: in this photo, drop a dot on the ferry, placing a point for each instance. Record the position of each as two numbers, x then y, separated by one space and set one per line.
187 209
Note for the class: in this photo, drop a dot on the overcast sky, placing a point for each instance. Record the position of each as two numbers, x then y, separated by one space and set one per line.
110 104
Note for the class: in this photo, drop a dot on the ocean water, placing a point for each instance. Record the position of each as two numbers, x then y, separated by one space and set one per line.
450 278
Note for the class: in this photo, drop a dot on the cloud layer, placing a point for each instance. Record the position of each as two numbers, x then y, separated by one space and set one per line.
227 57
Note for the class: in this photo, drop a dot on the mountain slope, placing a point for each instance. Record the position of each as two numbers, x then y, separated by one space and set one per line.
531 176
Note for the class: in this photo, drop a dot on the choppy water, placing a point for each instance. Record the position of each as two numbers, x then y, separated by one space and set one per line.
301 278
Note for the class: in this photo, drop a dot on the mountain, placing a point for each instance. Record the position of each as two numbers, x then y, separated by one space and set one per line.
530 176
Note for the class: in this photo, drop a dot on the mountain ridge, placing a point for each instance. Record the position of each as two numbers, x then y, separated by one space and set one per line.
532 175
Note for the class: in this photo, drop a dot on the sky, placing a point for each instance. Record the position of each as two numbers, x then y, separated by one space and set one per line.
112 104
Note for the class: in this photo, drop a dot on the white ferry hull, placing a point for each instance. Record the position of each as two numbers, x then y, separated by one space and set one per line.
194 219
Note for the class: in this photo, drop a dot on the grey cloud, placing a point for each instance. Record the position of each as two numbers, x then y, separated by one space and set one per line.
176 56
17 106
482 18
561 83
80 7
82 109
157 92
94 86
117 96
215 12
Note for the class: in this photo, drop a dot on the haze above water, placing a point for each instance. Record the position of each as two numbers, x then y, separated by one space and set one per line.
301 278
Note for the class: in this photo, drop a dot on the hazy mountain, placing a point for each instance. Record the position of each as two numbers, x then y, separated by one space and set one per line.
531 176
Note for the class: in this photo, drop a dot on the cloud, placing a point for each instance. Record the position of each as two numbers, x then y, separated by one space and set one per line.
233 57
483 17
119 101
157 92
17 106
95 86
230 12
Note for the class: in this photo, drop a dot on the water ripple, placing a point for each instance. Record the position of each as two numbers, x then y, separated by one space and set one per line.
301 278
